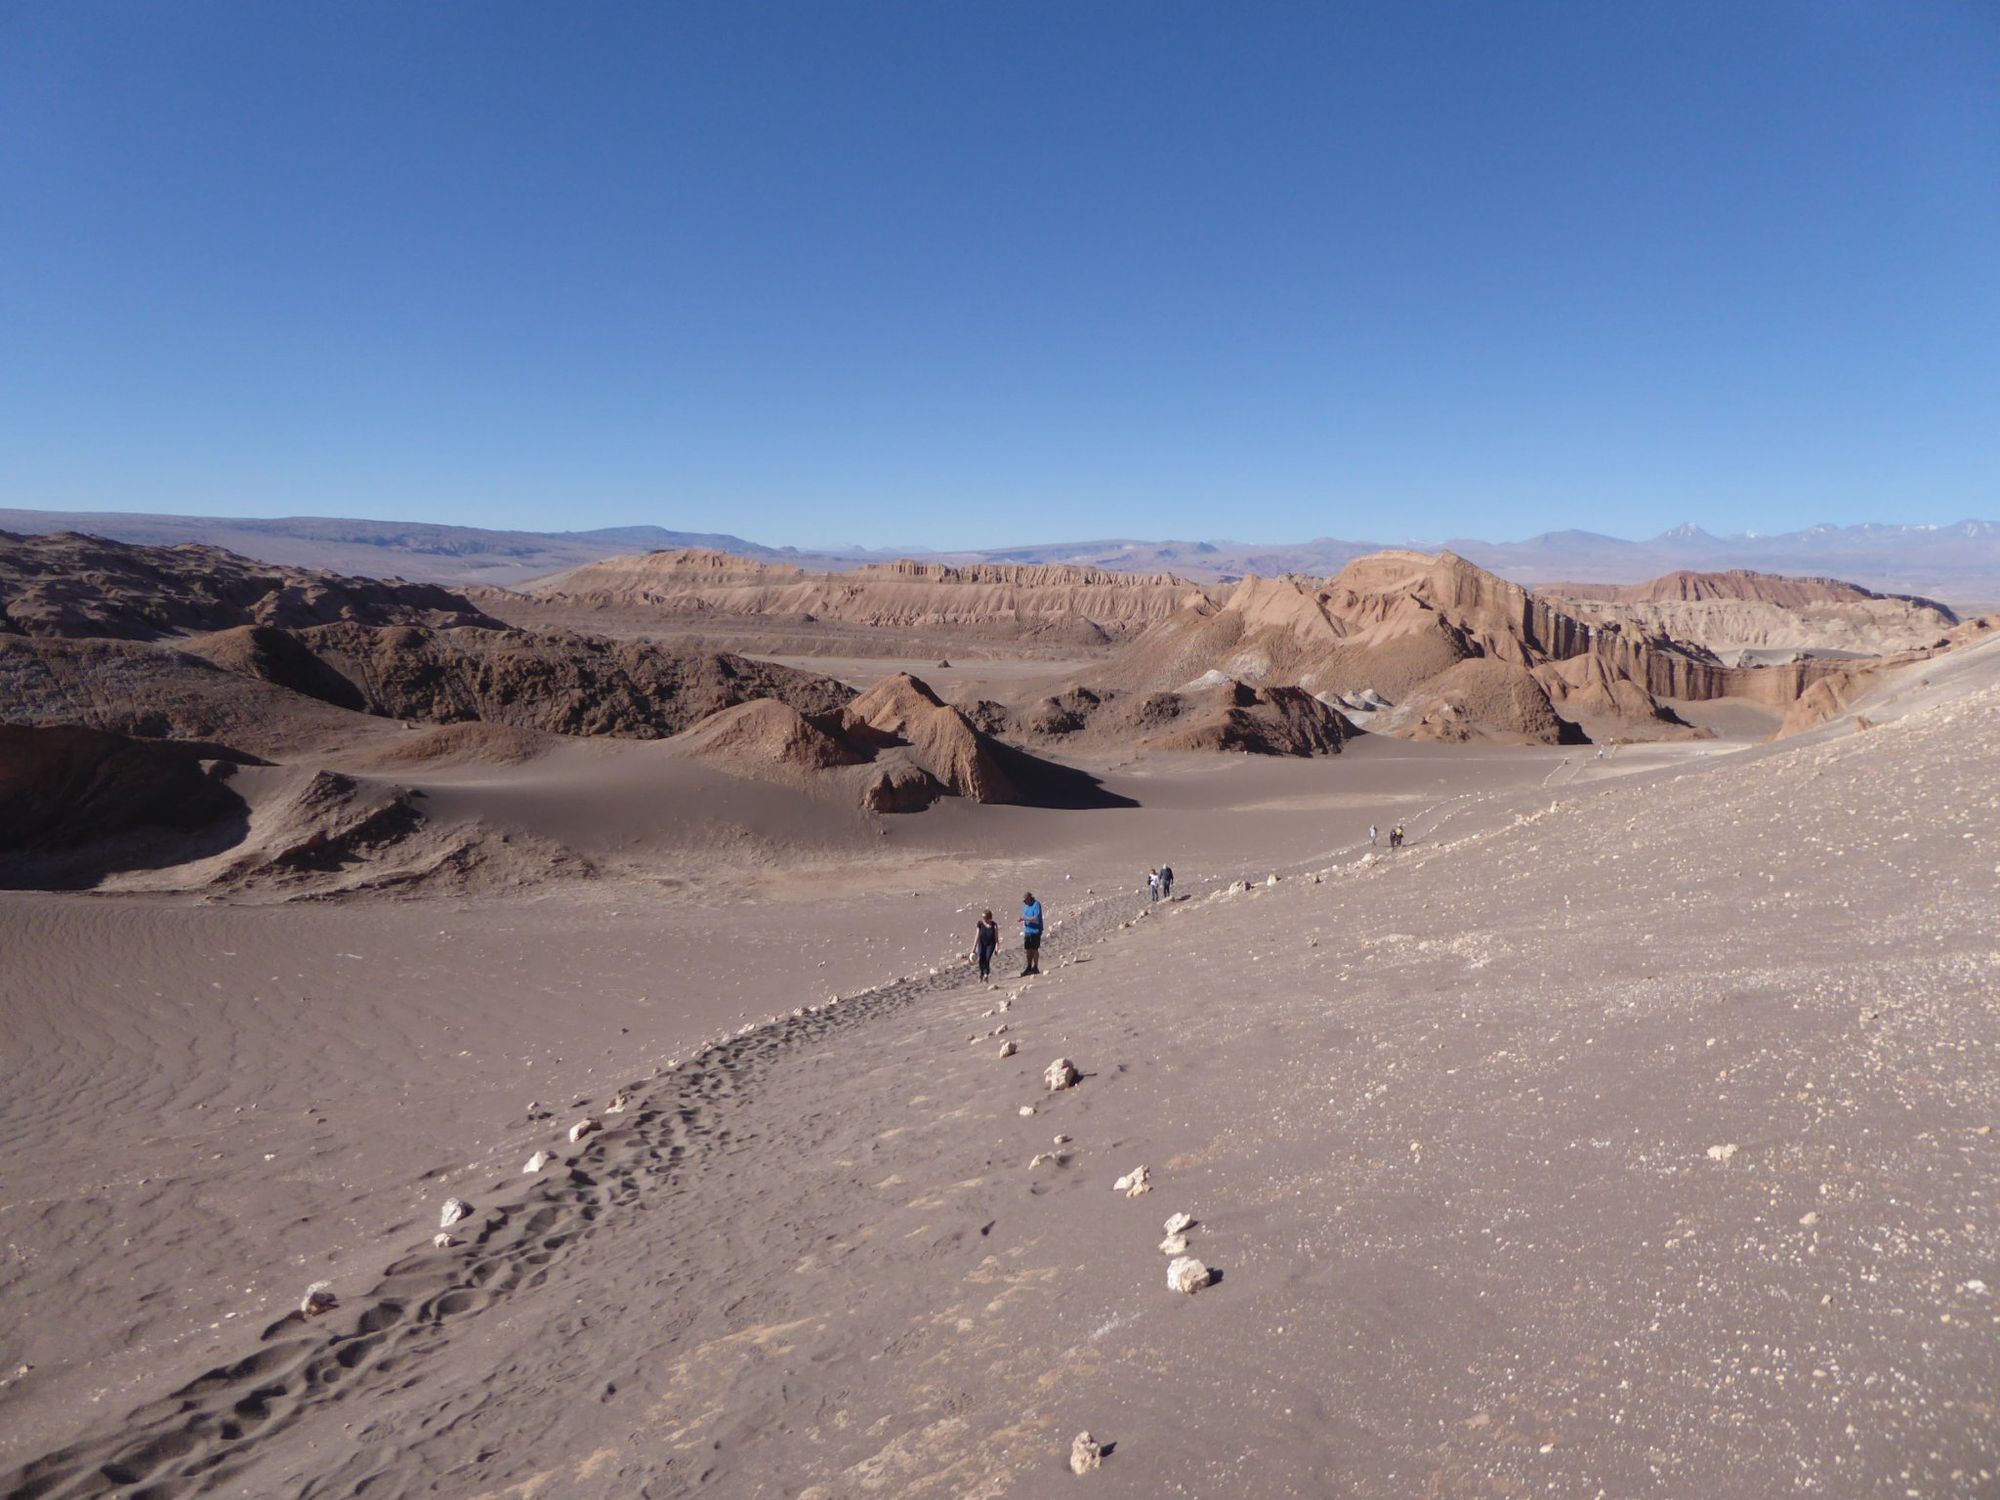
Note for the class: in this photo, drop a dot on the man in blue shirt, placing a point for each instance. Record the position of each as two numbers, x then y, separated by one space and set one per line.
1031 933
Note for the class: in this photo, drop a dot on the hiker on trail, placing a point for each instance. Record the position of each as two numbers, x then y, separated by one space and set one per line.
1166 882
1031 934
1396 837
1152 885
986 937
1373 832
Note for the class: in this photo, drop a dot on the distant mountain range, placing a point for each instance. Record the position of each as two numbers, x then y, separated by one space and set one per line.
1958 563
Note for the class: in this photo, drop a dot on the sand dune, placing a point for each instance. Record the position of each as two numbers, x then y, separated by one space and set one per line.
1530 1159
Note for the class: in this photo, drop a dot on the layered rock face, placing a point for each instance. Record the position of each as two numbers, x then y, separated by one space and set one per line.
993 601
1746 618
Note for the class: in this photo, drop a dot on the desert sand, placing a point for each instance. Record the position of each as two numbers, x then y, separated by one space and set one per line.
1629 1132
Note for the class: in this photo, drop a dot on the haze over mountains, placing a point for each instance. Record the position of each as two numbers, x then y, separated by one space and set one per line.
1957 562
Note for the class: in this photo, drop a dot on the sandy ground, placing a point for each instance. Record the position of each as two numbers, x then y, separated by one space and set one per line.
1445 1122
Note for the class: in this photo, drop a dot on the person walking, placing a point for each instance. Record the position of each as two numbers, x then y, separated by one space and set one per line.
1372 833
1166 882
986 937
1396 837
1031 934
1152 886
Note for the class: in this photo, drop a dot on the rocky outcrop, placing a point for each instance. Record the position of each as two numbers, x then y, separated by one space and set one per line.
558 683
944 740
1749 618
66 584
64 787
990 601
1483 698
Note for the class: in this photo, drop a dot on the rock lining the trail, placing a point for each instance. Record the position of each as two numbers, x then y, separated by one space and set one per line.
1187 1275
1085 1454
1061 1074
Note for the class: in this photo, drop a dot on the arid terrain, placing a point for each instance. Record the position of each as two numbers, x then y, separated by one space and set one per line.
1628 1132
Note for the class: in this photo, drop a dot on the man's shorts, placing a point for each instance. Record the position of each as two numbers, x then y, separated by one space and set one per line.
1031 941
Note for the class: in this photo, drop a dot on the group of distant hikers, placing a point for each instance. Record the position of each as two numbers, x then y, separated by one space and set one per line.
986 935
1159 887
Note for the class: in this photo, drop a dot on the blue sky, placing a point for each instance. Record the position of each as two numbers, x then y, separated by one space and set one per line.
955 274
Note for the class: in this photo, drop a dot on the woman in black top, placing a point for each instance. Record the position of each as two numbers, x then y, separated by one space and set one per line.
983 945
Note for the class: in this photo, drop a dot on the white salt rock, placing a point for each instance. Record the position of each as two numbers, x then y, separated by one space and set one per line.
1027 1109
1722 1153
535 1163
442 1241
585 1126
1085 1454
454 1210
1178 1222
1133 1183
1187 1275
1008 1049
1174 1244
621 1101
1061 1074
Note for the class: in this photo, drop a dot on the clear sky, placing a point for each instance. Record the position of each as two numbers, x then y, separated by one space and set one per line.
945 273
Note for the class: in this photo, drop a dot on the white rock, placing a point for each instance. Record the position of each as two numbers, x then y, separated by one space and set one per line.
535 1163
1085 1454
620 1102
1061 1074
1178 1222
1027 1109
1270 880
585 1126
1809 1220
1187 1275
1008 1049
318 1299
454 1210
442 1241
1173 1244
1062 1140
1974 1288
1133 1183
1722 1153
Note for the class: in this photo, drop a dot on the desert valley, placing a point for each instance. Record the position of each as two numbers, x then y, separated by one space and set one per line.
523 1041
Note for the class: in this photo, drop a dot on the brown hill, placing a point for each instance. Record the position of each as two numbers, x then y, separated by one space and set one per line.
1393 624
692 589
910 748
559 683
1484 698
1385 634
66 584
946 743
1751 618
